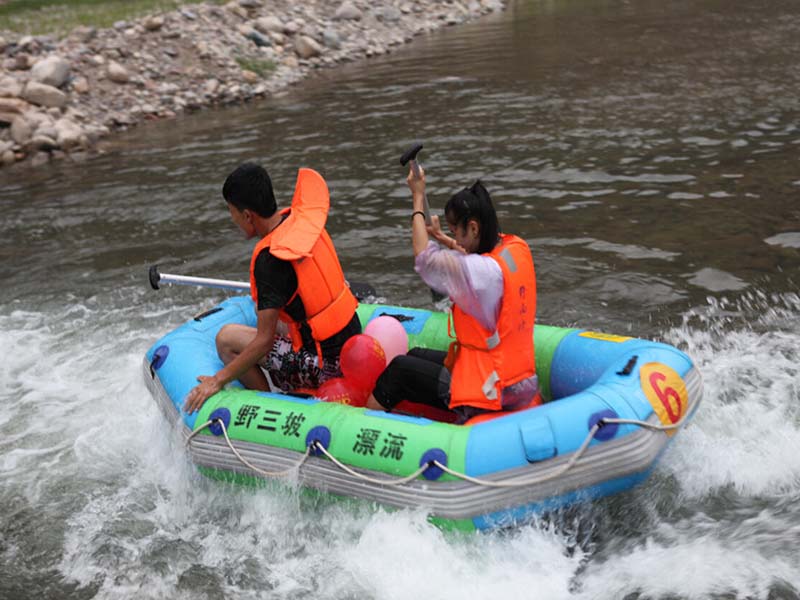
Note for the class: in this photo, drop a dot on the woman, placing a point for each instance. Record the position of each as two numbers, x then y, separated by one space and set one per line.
491 281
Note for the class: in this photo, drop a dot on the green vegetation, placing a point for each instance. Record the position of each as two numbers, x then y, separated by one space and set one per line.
58 17
260 66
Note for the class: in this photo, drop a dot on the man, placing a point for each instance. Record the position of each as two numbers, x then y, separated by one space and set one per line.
296 282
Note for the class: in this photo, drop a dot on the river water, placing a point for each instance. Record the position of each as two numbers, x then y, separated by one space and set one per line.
648 152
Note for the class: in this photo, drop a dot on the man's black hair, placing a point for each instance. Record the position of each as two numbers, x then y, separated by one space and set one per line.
475 203
249 186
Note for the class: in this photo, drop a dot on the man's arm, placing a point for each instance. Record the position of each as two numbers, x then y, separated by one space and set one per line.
247 358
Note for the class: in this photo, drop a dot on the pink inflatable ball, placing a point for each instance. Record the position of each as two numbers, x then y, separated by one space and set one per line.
342 391
362 360
391 335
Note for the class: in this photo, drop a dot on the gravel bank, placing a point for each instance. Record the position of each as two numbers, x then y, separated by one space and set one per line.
59 98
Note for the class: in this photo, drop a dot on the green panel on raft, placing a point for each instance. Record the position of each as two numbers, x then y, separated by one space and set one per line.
432 334
466 525
373 440
365 311
546 340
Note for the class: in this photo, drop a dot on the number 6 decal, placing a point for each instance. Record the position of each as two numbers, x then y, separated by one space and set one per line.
666 392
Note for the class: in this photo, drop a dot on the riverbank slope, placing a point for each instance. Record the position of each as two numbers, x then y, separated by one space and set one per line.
59 98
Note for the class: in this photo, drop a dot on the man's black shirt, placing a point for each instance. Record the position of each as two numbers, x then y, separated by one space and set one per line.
276 282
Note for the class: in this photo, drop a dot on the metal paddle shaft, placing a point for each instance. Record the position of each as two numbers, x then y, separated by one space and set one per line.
225 284
360 290
410 156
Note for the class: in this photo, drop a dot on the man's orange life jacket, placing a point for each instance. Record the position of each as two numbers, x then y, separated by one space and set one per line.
302 240
486 362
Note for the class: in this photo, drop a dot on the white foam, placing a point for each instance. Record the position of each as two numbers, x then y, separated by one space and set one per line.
746 433
85 439
402 556
680 562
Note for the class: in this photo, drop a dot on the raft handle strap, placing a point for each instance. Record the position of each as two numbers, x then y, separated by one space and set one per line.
628 369
202 316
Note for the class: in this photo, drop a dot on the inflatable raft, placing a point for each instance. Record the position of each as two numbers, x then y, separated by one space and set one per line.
612 404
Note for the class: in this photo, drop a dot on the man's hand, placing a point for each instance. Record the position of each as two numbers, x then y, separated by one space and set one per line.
200 393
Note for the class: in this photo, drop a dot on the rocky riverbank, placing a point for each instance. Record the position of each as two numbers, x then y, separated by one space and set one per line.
61 97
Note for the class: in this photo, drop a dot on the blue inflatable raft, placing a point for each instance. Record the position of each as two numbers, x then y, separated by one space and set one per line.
612 404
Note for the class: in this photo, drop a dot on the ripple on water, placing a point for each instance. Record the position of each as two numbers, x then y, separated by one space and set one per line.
715 280
788 239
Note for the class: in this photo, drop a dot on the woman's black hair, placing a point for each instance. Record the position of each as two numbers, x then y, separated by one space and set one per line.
249 186
475 203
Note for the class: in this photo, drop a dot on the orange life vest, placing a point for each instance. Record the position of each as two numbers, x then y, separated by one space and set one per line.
302 240
485 362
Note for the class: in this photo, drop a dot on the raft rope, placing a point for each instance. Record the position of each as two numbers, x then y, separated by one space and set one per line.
368 479
244 461
316 445
566 466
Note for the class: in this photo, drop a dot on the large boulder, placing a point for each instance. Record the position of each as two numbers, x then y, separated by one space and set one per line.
306 47
10 87
387 14
11 109
52 70
21 130
268 24
13 105
250 77
81 85
42 143
117 73
44 95
332 38
69 134
347 11
153 23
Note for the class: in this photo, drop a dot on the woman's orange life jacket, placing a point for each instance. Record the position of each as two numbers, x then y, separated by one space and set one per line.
302 240
485 362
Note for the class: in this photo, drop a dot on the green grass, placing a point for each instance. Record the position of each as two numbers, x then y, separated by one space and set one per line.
260 66
58 17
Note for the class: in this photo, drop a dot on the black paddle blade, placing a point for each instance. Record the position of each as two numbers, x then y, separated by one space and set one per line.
362 290
411 153
154 276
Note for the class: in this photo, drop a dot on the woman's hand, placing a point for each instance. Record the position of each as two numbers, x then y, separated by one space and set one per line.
435 231
200 393
416 183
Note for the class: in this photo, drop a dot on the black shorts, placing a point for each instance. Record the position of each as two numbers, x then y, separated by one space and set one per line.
419 376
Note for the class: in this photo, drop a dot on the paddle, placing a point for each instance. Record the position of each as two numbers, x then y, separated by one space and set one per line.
410 156
360 290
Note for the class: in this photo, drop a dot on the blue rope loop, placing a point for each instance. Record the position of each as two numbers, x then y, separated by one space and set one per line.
219 418
606 430
318 436
434 454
